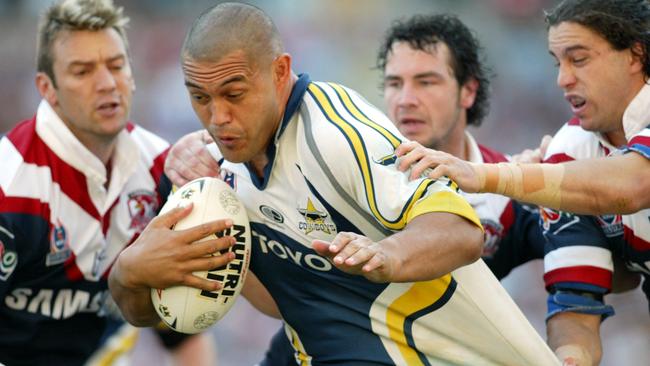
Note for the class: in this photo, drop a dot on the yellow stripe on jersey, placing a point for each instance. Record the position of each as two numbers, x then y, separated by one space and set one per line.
420 296
354 110
444 201
302 358
364 164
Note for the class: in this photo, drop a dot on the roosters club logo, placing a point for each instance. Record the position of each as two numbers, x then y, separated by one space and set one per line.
493 235
143 206
612 225
549 217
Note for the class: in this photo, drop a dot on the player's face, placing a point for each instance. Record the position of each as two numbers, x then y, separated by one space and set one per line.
237 102
422 95
94 84
598 81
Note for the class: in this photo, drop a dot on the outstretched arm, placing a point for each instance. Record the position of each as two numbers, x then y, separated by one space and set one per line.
616 184
430 246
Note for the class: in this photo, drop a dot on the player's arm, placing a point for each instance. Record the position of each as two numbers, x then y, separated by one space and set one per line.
575 338
616 184
430 246
255 292
162 258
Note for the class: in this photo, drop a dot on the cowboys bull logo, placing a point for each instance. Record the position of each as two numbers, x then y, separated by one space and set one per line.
143 206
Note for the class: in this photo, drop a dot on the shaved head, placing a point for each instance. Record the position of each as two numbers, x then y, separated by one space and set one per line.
229 27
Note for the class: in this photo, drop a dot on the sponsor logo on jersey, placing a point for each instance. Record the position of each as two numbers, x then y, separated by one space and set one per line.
272 214
143 206
302 258
8 261
314 220
59 245
612 225
386 160
55 303
493 236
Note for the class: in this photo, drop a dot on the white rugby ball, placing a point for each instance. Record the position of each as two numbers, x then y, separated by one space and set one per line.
190 310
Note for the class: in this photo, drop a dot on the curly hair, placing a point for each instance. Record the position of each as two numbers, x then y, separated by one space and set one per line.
75 15
623 23
425 31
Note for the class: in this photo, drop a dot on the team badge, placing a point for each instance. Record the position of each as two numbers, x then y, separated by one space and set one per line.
8 261
59 245
314 220
612 225
143 206
549 217
493 236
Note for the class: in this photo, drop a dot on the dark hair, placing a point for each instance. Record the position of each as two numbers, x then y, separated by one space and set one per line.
425 31
623 23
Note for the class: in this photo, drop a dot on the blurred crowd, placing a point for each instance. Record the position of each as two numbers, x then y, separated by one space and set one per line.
334 40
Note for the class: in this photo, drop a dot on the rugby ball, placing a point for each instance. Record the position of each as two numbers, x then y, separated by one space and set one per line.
190 310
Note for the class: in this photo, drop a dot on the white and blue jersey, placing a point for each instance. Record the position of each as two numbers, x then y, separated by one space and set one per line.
331 168
581 248
61 230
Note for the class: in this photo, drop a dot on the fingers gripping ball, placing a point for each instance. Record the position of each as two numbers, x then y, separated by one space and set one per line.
190 310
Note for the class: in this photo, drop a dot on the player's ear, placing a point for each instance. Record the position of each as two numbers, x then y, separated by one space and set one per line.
468 93
46 88
282 69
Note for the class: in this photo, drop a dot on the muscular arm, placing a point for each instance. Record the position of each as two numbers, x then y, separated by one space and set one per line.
430 246
161 258
575 336
615 184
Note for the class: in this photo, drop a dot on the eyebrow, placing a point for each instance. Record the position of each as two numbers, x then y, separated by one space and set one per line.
422 75
570 49
230 80
88 63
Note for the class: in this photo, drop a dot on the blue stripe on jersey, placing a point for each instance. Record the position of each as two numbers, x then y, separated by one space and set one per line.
641 149
356 112
358 147
408 323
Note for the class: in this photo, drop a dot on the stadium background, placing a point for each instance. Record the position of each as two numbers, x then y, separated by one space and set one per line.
337 40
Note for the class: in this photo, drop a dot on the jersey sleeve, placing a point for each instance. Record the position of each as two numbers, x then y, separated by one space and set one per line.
358 143
640 143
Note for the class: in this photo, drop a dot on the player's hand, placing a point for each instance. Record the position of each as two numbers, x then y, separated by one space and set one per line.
573 355
189 159
435 164
356 254
161 257
533 155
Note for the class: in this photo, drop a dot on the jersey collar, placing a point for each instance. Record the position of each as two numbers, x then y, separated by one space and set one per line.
295 99
637 114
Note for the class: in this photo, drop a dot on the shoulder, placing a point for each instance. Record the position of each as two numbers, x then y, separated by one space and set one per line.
153 148
571 142
339 117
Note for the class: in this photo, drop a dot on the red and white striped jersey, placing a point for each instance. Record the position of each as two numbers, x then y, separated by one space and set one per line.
62 225
581 247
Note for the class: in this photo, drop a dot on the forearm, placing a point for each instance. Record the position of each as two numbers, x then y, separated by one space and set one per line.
134 302
592 186
432 245
577 336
